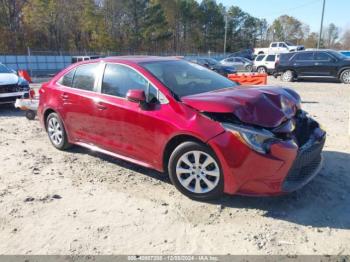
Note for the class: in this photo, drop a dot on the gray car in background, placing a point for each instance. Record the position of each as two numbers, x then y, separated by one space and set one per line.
240 63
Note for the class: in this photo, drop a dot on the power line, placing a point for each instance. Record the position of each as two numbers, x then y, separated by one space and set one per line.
297 7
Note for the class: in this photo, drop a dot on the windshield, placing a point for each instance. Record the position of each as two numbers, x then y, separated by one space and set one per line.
338 54
184 78
4 69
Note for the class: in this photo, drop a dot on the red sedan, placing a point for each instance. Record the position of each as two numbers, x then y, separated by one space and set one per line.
209 134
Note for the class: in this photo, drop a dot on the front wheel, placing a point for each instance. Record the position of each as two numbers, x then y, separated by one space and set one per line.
196 172
261 70
345 77
249 68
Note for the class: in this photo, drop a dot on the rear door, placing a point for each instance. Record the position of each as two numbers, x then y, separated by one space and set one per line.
270 62
78 102
303 64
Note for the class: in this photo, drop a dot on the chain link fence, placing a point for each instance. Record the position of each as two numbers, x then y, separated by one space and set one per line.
47 63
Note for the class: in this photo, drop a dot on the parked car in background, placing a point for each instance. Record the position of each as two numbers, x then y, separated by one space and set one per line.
314 64
11 86
240 63
279 48
265 64
214 65
246 53
346 53
210 135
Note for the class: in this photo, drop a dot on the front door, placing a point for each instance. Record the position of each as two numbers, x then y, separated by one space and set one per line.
304 64
324 65
125 127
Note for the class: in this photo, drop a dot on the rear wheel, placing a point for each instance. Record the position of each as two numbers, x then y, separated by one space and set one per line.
57 133
287 76
262 70
248 68
196 172
345 76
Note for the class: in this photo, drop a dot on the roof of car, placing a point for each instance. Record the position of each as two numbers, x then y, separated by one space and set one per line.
139 59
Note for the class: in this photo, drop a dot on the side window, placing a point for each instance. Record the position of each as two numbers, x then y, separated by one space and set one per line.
259 58
270 58
304 57
274 45
321 56
282 45
67 79
85 77
118 80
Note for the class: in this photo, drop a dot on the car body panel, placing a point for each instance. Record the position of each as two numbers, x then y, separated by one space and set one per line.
263 106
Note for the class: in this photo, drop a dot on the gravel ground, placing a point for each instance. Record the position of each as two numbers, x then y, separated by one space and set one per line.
80 202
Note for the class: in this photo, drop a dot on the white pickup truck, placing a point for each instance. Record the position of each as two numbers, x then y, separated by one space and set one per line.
278 48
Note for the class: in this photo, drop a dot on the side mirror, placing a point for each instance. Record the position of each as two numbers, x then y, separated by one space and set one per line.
136 96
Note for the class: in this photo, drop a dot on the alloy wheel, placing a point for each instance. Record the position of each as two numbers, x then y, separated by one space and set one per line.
198 172
55 131
346 77
261 70
287 76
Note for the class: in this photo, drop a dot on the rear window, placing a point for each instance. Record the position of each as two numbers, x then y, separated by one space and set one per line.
274 45
304 57
270 58
259 58
85 77
67 79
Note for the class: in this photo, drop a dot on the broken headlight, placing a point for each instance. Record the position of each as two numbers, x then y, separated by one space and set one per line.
257 139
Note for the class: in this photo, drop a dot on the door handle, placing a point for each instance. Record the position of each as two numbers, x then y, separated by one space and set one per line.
317 63
64 96
101 106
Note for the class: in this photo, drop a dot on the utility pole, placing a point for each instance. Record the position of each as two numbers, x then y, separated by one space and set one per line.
225 39
321 28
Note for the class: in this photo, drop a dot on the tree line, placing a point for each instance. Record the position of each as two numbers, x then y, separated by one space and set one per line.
146 26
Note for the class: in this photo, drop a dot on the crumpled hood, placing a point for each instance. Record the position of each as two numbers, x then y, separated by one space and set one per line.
8 79
264 106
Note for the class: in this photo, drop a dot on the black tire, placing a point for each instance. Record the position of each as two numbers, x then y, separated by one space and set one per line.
30 114
187 148
345 77
61 144
261 70
249 68
288 76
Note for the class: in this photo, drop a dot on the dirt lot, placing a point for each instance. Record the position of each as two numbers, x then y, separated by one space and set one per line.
79 202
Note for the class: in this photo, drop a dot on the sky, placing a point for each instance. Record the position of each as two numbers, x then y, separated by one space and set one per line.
307 11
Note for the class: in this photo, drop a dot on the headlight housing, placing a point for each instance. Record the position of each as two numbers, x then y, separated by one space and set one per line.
257 139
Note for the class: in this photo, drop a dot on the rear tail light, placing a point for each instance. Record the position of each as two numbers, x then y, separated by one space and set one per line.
31 93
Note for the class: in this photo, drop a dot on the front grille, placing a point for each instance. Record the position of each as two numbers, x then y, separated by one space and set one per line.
306 165
9 89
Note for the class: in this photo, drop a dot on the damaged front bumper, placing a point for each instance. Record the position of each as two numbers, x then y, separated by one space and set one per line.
307 164
291 162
